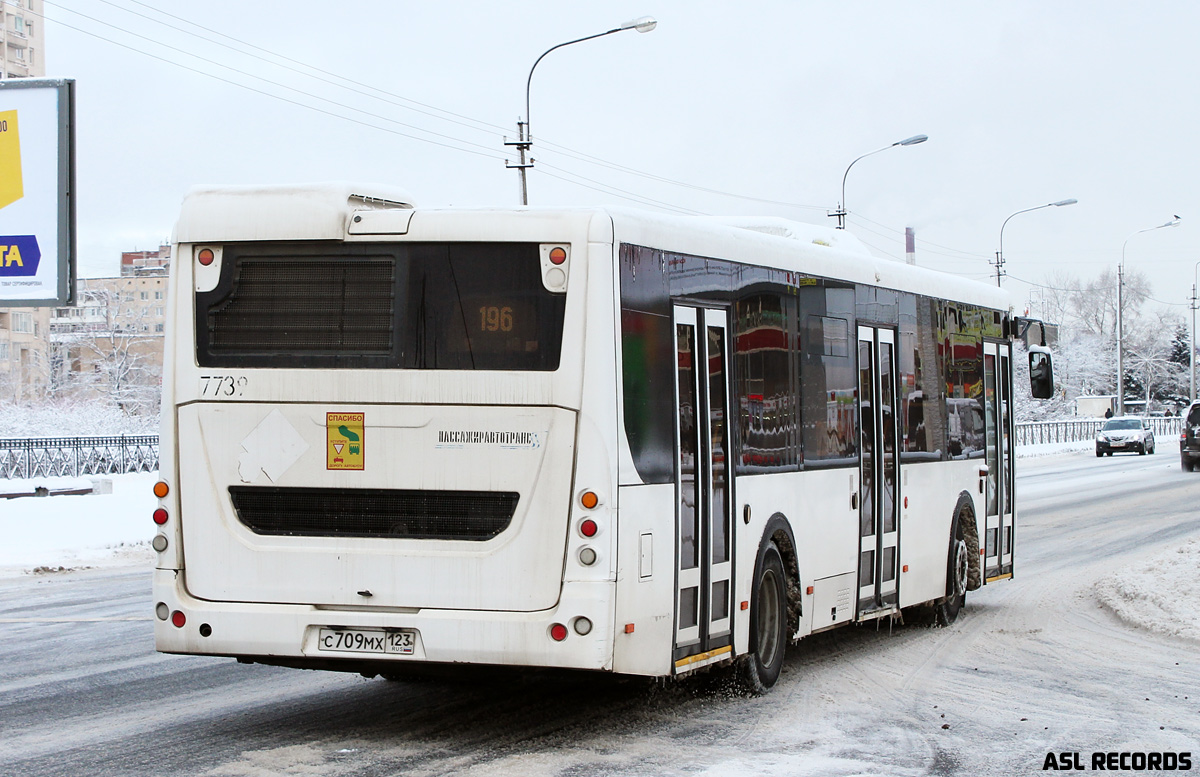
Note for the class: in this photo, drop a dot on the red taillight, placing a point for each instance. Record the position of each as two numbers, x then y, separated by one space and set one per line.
178 619
558 632
160 516
206 256
557 255
588 528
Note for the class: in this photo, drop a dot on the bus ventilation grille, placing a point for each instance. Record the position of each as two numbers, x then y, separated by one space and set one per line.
362 512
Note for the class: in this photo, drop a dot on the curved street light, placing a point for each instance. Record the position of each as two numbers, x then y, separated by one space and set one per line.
524 141
1000 254
1120 322
841 212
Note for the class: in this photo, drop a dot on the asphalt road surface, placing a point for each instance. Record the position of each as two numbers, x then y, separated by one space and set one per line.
1034 665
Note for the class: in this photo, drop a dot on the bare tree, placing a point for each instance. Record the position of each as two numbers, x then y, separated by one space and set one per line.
116 356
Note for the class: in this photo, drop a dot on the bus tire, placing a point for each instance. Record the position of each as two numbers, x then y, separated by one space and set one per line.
958 563
760 668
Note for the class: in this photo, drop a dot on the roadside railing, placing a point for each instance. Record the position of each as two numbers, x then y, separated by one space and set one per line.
1082 430
74 456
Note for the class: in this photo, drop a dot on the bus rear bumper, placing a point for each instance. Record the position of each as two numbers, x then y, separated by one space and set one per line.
291 633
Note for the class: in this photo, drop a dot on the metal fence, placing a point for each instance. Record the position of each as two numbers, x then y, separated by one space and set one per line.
75 456
1082 430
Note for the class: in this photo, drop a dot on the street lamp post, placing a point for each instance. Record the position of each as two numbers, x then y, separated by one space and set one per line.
841 212
524 141
1000 253
1192 350
1120 313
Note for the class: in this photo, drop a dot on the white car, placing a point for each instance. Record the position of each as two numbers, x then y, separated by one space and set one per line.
1127 433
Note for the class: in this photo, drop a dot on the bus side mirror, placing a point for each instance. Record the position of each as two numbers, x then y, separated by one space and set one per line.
1041 374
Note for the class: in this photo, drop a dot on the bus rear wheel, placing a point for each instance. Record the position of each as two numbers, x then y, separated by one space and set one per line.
759 670
958 568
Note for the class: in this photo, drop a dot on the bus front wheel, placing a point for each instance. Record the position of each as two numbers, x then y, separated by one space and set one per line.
760 669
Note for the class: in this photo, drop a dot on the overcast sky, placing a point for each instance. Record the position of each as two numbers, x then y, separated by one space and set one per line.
1024 103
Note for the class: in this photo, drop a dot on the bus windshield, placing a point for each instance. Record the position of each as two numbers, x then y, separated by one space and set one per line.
456 306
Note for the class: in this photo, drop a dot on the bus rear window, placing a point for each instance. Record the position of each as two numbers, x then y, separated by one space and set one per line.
451 306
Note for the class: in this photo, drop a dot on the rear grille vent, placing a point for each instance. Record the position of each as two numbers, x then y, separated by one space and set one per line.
361 512
307 306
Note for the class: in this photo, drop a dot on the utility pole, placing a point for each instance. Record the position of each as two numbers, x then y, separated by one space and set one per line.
522 144
1120 348
1192 350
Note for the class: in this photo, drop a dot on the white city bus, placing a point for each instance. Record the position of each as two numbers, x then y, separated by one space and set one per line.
584 438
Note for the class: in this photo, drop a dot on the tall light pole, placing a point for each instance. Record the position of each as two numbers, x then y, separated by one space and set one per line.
841 212
1120 312
1000 254
1192 350
524 141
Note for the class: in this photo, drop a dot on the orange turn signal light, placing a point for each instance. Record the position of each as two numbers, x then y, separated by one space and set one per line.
206 256
161 489
589 499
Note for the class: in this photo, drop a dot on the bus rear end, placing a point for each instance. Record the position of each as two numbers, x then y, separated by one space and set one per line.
375 433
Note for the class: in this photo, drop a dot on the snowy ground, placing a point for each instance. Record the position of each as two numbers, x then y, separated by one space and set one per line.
70 532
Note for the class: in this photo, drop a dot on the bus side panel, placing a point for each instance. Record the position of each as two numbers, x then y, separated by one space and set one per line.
823 520
645 581
932 490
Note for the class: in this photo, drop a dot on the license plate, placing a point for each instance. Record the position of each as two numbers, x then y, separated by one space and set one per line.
1116 445
367 641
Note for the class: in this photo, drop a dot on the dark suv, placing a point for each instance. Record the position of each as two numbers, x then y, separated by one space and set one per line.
1189 439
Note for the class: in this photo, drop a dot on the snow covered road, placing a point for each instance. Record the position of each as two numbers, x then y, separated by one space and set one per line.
1036 665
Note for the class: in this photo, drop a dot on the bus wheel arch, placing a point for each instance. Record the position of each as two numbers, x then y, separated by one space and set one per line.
775 605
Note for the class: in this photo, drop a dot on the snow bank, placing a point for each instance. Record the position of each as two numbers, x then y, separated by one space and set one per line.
66 418
1159 594
77 531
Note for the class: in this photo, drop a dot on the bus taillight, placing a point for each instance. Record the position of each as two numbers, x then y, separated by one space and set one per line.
588 528
558 632
160 516
178 619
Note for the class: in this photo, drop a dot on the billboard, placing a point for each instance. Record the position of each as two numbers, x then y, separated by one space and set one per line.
37 192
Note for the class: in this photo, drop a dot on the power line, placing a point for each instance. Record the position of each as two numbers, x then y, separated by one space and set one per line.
607 189
312 72
486 150
271 95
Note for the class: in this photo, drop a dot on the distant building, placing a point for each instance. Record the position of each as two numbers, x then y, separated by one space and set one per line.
22 39
114 333
24 352
125 315
146 262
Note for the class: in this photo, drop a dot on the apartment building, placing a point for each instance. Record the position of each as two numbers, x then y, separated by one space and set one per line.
24 352
22 37
114 318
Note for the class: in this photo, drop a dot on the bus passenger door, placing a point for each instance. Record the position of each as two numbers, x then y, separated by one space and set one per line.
998 417
704 589
879 525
